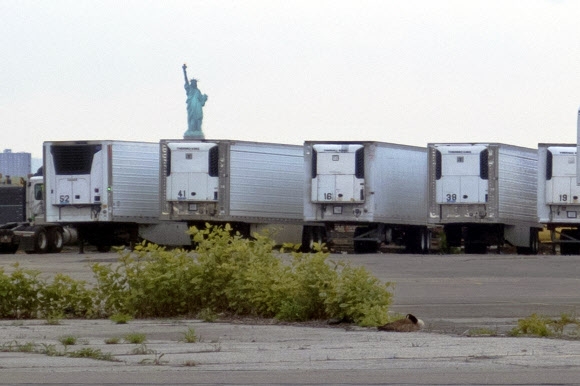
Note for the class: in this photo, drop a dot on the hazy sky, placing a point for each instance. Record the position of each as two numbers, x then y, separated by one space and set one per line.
408 72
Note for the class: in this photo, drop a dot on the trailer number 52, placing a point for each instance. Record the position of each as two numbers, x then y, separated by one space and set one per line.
64 199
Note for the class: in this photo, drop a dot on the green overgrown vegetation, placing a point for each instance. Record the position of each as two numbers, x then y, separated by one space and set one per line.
225 275
543 326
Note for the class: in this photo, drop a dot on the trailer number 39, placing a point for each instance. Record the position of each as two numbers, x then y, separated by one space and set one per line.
451 197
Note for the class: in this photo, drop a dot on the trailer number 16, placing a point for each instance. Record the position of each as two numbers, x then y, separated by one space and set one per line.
328 196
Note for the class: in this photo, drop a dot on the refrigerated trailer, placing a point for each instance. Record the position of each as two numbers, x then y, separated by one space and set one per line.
484 194
253 186
559 195
361 195
108 191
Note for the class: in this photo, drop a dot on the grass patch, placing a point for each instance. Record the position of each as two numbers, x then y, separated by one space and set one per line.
135 338
543 326
113 340
68 340
121 318
189 336
483 331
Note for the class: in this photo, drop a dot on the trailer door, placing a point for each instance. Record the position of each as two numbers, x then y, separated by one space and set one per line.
462 174
192 171
338 173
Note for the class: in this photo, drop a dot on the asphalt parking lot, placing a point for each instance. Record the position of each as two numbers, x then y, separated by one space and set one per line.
238 352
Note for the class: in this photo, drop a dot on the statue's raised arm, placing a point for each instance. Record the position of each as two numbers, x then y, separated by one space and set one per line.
185 74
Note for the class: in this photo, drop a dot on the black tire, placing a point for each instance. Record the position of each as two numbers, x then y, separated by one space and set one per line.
310 236
40 241
55 240
416 240
425 241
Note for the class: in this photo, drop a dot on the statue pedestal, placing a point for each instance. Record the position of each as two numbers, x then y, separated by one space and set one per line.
193 135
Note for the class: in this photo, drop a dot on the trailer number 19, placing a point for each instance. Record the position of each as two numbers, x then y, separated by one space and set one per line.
451 197
563 197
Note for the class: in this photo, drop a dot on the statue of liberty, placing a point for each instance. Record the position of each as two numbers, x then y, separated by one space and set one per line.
195 101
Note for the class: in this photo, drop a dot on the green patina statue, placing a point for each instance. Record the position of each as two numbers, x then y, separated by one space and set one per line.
195 102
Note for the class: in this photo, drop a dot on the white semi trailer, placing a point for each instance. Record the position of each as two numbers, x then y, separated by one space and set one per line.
252 186
559 195
484 194
370 193
108 191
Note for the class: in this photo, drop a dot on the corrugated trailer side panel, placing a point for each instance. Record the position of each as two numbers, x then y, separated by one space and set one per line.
135 181
398 184
517 187
266 181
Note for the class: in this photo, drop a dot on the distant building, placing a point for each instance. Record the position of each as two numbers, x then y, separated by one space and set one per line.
15 164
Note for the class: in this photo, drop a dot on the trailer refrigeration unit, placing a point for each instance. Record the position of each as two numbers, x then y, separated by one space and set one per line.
107 190
360 195
484 194
250 185
559 195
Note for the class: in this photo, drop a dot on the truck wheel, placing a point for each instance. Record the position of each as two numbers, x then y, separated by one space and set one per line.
425 241
310 236
55 240
40 241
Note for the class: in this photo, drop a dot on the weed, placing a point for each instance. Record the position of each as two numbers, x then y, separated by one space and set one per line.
565 319
189 363
207 315
532 325
113 340
54 318
189 336
142 350
26 347
135 338
483 331
121 318
93 353
156 360
50 350
68 340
